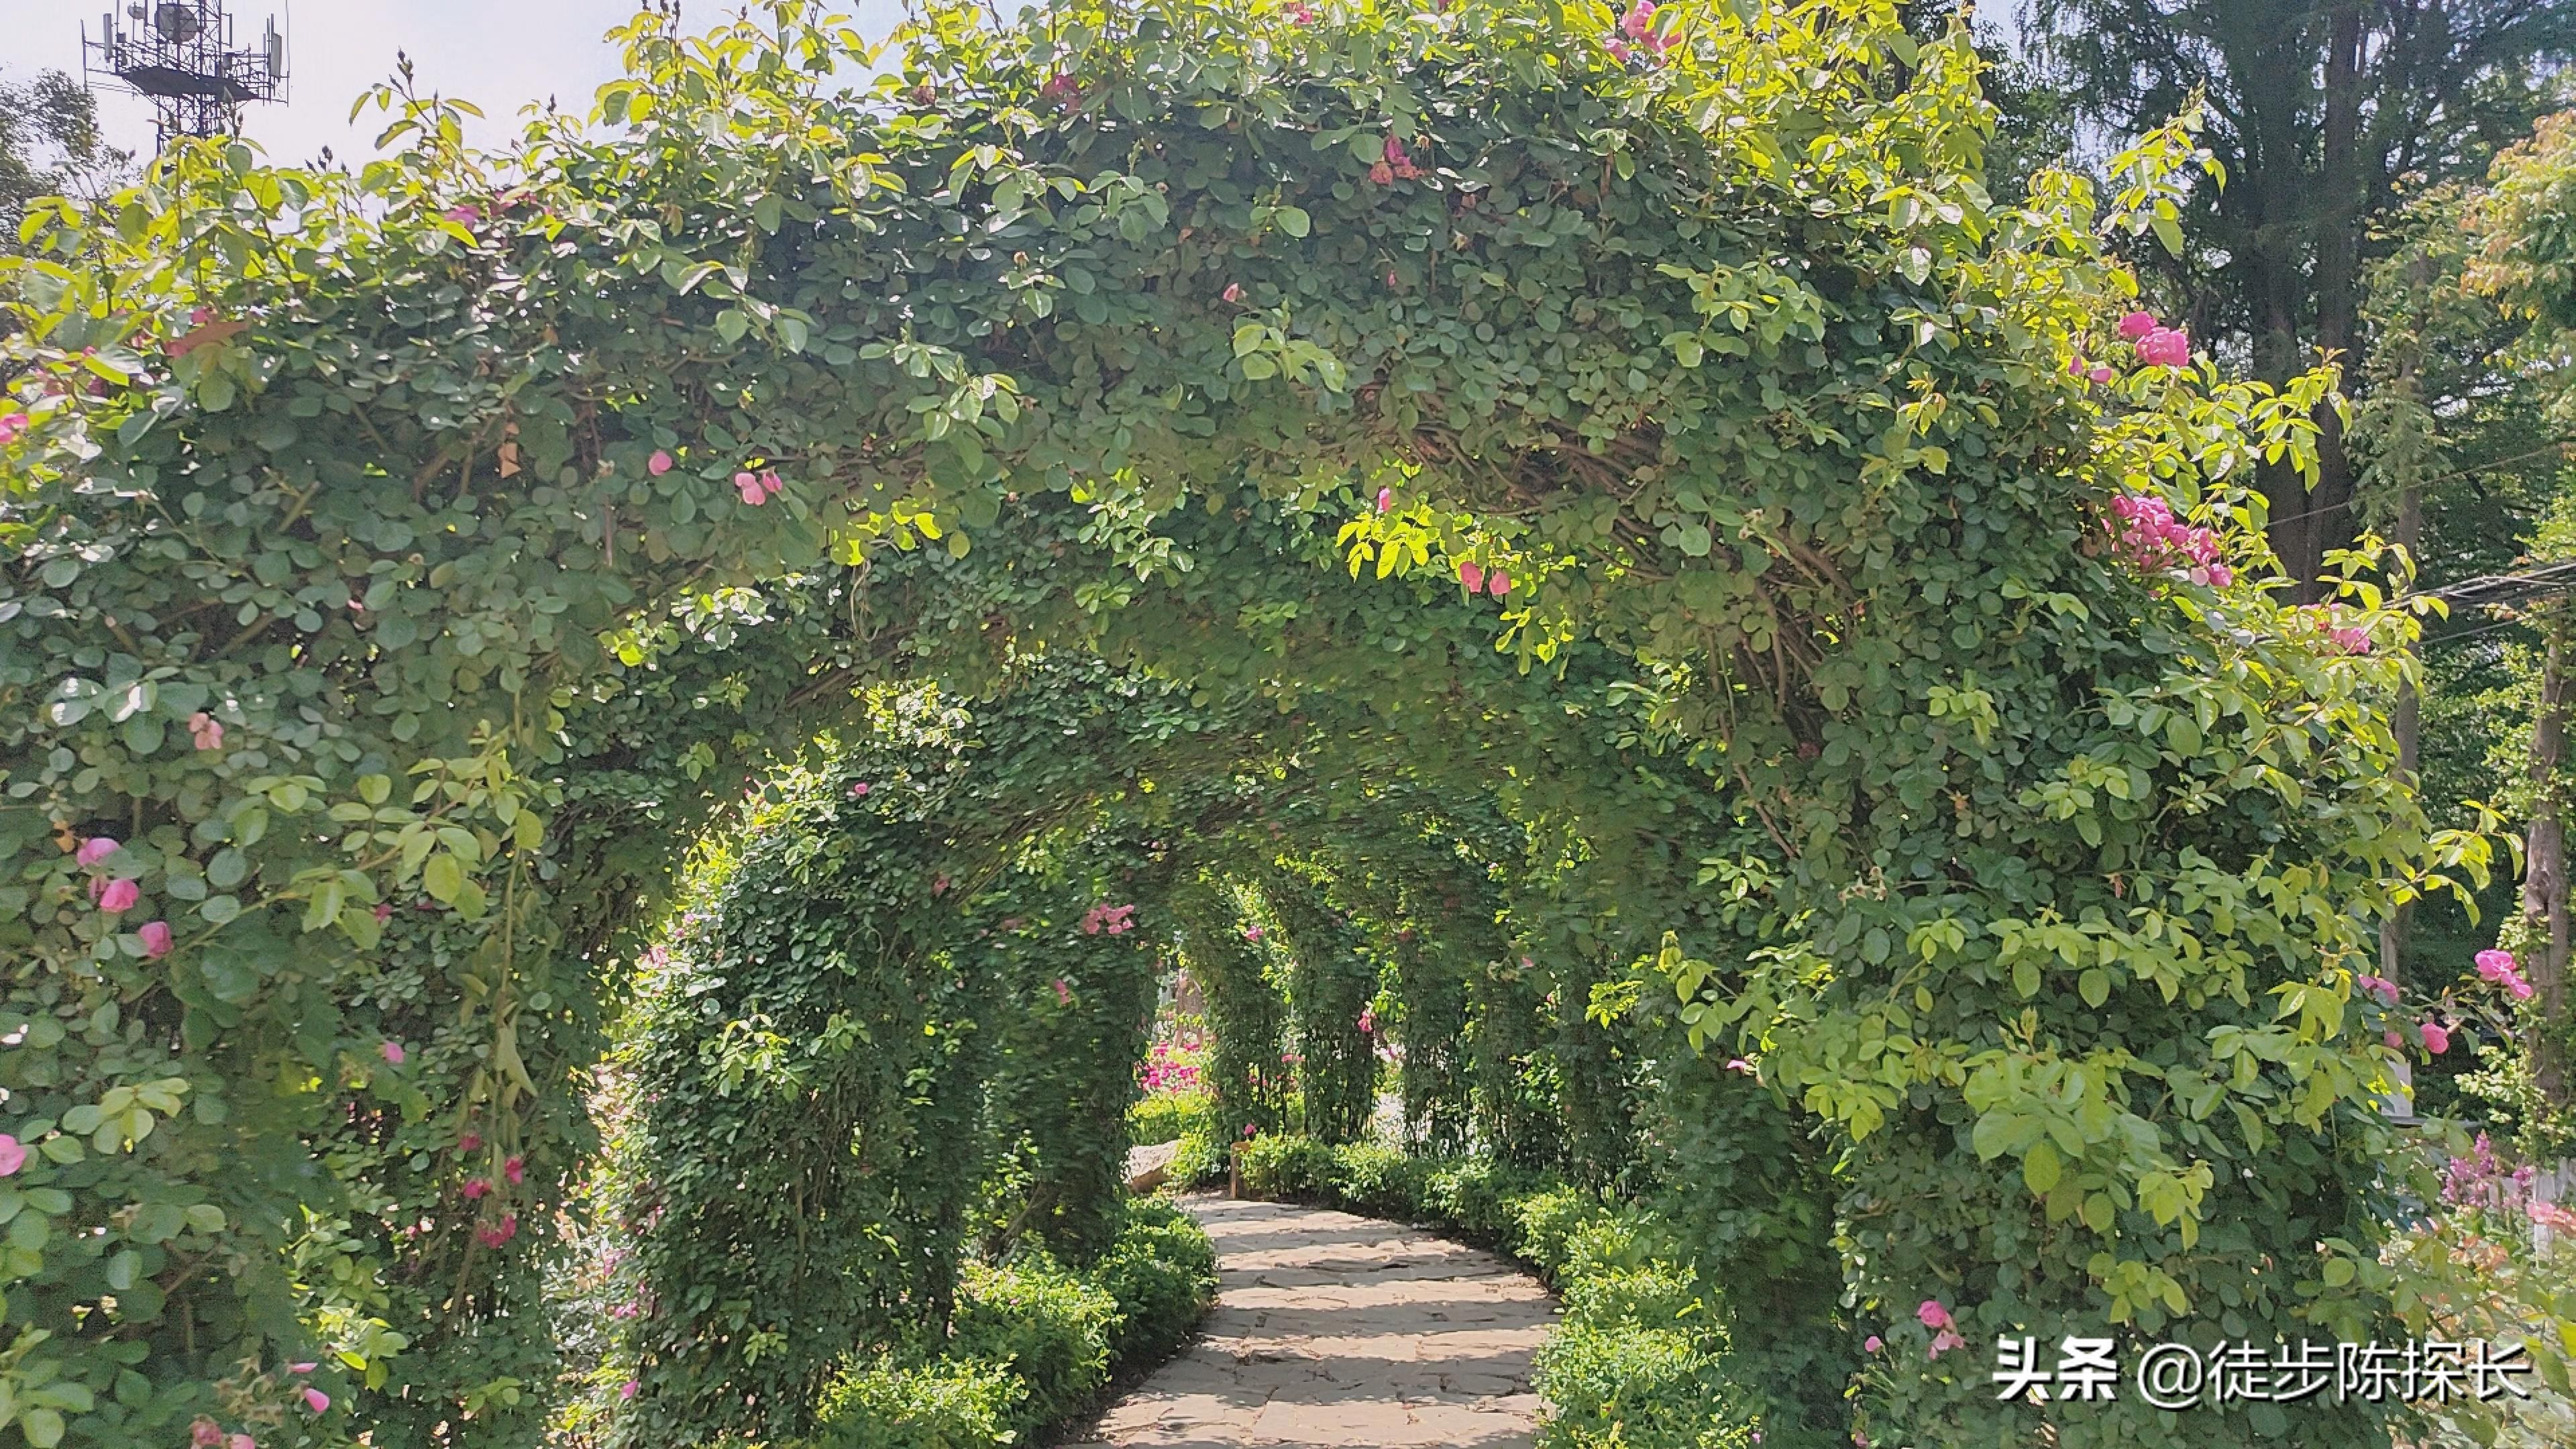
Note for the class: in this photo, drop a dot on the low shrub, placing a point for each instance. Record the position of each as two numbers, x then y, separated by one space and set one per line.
1031 1343
1162 1272
1164 1116
1638 1361
944 1404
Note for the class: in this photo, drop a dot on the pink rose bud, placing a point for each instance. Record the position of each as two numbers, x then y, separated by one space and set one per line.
1500 584
1234 291
393 1052
660 463
302 1368
627 1391
94 850
1472 574
516 1169
1385 499
119 897
2137 324
241 1441
1873 1343
470 1142
156 938
2437 1039
316 1400
13 1155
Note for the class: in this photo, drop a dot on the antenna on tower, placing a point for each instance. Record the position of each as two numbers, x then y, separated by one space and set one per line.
180 55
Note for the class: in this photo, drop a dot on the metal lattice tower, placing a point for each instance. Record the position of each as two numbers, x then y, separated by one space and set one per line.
180 55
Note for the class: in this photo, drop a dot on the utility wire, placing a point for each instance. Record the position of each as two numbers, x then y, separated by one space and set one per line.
2493 589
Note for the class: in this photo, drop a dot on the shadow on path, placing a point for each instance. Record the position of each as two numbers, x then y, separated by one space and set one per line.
1332 1331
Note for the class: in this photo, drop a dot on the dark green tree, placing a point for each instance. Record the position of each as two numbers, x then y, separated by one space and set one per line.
51 145
2321 111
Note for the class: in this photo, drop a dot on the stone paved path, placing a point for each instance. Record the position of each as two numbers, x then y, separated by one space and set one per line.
1331 1331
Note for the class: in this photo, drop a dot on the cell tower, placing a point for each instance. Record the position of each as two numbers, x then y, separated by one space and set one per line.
179 54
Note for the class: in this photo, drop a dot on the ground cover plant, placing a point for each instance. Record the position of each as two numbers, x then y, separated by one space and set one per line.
1586 546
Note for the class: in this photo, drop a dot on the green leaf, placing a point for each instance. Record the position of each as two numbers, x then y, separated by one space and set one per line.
2041 1168
443 877
1294 221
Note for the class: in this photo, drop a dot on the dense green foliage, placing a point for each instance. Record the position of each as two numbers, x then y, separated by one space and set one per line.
1626 513
1034 1344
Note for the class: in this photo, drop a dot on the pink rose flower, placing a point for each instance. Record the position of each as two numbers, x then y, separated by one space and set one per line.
660 463
316 1400
1933 1315
1499 584
119 896
1943 1342
2437 1038
2102 374
516 1169
2495 965
13 1155
2165 347
241 1441
1233 291
475 1187
1638 20
205 1435
1872 1344
1385 499
470 1142
156 938
13 426
2138 324
1472 574
94 850
393 1053
206 731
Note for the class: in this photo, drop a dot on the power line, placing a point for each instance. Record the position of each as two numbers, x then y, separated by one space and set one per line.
2492 590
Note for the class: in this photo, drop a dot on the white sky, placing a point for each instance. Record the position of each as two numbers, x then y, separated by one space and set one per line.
499 54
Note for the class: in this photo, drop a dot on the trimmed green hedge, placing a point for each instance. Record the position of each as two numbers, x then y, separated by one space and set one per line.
1031 1344
1638 1361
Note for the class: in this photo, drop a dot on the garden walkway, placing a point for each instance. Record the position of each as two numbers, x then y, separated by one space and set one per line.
1334 1330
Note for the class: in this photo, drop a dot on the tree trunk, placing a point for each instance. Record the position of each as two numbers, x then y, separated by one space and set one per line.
2544 880
2342 199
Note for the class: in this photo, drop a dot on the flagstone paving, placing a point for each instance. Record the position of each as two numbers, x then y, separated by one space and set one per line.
1334 1330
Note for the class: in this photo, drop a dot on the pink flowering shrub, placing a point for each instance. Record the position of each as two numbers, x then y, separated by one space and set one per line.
2146 536
1116 920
